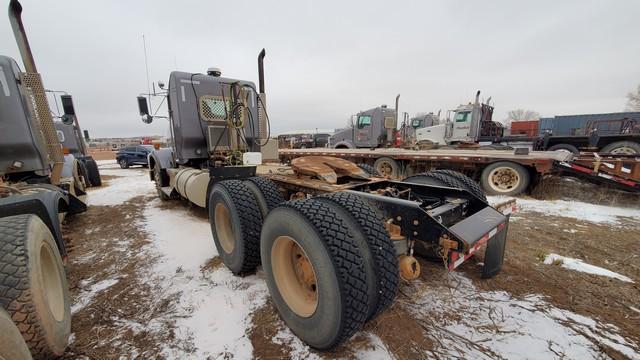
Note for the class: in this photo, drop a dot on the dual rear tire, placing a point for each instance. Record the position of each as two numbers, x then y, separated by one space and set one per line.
328 261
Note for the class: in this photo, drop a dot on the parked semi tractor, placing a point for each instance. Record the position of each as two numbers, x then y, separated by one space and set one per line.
615 133
39 186
333 239
372 128
73 142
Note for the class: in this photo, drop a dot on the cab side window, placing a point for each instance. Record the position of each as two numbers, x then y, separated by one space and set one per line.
364 120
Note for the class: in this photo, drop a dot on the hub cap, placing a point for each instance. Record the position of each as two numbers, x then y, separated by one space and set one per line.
623 150
504 179
224 228
294 276
52 282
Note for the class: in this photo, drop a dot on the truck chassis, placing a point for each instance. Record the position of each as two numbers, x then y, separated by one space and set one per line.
333 240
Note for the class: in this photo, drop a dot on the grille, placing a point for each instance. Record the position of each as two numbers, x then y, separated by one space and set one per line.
214 108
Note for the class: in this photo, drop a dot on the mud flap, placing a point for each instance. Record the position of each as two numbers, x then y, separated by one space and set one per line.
494 253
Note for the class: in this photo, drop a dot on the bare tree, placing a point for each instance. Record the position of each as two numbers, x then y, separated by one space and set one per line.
633 100
520 115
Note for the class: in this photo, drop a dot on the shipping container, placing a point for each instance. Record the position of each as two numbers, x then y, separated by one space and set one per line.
528 128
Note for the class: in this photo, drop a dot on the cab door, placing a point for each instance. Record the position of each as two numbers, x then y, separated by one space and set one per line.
363 131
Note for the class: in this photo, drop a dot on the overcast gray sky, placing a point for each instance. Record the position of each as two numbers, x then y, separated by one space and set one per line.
329 59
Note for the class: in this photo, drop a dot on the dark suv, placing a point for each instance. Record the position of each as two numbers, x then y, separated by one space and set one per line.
134 155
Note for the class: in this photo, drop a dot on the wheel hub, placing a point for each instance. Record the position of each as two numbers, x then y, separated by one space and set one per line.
224 228
624 150
52 282
385 169
295 276
504 179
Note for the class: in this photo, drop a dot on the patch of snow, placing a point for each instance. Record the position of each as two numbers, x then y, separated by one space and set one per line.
579 265
106 163
86 296
375 350
184 239
128 184
493 324
214 309
612 215
297 349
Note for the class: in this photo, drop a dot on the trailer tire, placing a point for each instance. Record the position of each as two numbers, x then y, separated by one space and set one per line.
565 147
622 148
93 172
504 178
468 183
322 297
383 269
265 192
234 216
12 345
369 169
387 167
33 285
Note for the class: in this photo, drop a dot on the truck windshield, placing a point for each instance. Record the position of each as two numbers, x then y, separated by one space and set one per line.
463 116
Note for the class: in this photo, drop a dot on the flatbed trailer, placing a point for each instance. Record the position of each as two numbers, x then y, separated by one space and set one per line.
501 172
621 171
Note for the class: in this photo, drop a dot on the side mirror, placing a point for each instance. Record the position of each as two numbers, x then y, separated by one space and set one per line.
69 112
144 110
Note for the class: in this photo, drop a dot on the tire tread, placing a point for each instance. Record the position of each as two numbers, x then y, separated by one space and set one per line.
15 291
251 222
380 245
347 259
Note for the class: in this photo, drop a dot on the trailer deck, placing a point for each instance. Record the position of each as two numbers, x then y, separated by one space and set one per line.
541 161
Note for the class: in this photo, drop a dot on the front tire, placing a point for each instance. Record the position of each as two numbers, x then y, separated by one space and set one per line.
124 164
33 287
158 179
315 273
234 216
93 172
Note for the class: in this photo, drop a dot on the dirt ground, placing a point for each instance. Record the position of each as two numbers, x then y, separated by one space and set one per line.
102 155
122 320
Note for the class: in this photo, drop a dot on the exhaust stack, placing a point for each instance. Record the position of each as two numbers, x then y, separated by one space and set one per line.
390 131
262 103
31 80
15 18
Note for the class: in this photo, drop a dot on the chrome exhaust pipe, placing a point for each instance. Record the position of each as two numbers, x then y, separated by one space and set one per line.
15 18
262 103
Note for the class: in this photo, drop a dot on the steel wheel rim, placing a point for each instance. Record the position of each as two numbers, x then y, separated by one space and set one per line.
295 276
51 282
623 150
385 169
224 228
504 179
